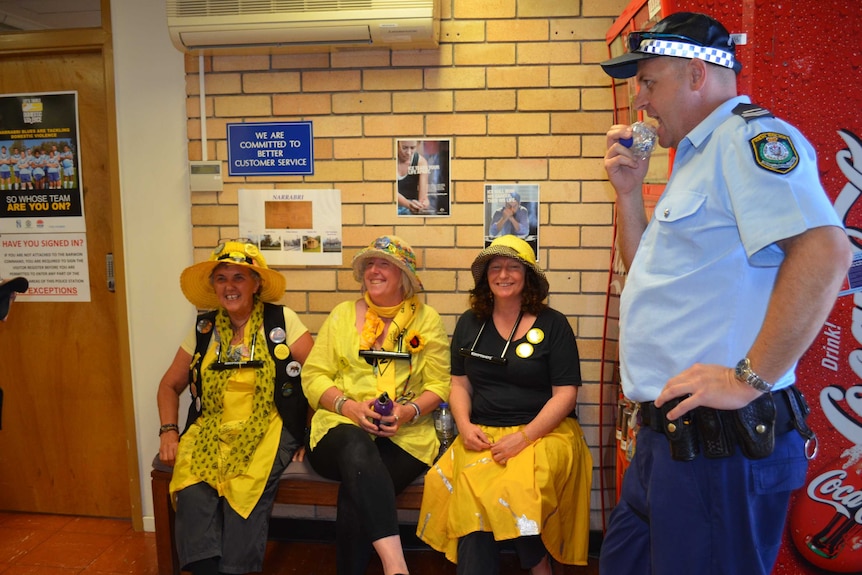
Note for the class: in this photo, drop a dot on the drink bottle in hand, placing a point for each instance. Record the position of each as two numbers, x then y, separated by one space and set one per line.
382 405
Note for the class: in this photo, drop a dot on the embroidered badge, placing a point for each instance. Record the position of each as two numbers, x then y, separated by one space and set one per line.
774 152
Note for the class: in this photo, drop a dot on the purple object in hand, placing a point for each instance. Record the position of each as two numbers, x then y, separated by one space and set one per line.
382 405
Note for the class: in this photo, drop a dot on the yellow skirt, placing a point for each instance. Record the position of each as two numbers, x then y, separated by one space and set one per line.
544 490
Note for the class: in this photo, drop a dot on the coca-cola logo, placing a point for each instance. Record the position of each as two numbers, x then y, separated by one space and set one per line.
829 488
850 163
826 526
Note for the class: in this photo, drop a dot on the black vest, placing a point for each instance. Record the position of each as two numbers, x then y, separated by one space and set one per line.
289 398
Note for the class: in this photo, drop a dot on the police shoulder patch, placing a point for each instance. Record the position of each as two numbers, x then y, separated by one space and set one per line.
749 112
774 152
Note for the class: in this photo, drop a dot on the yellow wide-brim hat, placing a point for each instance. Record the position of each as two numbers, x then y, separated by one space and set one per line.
196 283
393 249
511 247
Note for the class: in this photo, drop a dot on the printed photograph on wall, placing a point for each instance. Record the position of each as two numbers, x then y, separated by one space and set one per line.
512 209
293 227
423 177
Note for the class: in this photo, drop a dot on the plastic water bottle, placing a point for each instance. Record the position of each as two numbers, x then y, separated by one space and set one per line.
444 424
643 140
382 405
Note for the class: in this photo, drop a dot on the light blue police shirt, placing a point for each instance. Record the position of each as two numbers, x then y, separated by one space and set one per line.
701 279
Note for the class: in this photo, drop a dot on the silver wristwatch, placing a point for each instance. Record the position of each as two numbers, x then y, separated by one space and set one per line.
746 375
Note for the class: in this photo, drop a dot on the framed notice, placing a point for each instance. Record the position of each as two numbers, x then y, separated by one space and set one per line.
293 227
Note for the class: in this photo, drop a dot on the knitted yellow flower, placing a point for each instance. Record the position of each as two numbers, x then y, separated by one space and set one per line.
415 342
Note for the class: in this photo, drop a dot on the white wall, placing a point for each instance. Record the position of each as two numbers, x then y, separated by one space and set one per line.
151 118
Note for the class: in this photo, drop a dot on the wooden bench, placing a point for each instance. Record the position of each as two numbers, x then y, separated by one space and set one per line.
299 485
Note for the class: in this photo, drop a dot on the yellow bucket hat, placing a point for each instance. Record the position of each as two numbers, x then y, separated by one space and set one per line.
197 286
512 247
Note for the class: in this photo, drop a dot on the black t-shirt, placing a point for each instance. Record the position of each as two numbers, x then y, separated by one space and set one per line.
512 394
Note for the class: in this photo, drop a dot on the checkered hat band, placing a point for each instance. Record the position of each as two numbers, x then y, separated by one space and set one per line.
684 50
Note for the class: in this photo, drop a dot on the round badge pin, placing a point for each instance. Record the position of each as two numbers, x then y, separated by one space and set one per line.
294 368
204 326
282 351
287 390
277 335
535 336
524 350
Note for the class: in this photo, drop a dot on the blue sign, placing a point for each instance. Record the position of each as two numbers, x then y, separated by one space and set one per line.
270 149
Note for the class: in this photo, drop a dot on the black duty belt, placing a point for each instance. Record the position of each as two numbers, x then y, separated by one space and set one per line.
715 433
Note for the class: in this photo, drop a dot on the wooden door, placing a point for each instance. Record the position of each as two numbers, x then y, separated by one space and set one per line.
64 445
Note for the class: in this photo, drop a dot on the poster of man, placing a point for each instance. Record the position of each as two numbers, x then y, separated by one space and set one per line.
512 209
422 172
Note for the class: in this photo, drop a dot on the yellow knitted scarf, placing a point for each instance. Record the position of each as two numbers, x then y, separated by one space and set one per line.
402 316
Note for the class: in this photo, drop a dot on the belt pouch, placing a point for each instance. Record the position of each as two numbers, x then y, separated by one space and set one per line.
715 440
680 432
800 410
754 425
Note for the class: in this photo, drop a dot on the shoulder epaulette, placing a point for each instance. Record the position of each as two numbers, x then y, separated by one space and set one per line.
749 112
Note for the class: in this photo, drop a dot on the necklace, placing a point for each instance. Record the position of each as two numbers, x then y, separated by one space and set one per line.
238 329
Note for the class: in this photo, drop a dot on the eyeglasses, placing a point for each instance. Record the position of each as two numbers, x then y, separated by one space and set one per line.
464 352
635 39
220 365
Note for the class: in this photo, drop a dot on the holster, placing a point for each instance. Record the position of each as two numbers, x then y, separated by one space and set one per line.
754 426
716 439
680 432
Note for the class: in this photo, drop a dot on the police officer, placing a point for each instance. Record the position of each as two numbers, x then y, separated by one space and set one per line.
729 282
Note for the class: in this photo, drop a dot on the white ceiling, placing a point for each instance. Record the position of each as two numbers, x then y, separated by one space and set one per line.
49 14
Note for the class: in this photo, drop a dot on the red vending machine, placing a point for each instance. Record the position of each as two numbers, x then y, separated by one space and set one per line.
803 61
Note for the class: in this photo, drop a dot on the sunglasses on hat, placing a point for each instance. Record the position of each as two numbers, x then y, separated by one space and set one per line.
635 39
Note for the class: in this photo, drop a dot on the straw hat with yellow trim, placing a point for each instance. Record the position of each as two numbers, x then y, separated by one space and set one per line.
512 247
196 283
393 249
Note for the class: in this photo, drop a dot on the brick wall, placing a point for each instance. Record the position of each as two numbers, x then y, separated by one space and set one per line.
521 97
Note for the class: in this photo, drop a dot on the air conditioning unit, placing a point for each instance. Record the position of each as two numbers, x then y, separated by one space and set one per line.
240 26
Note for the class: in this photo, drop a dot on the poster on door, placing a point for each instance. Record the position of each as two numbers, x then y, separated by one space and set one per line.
42 225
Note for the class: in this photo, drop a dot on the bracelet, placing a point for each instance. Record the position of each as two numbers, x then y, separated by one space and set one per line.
168 427
418 411
339 404
527 439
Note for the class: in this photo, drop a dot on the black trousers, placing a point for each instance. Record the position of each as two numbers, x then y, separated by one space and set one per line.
479 553
372 472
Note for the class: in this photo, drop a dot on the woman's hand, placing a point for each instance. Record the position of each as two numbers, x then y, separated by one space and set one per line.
390 424
508 447
474 438
361 413
299 454
168 444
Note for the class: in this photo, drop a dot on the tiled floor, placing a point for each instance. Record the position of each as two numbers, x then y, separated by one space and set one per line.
63 545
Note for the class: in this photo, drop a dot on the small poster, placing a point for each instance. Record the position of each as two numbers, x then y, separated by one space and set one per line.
512 209
42 226
422 172
293 227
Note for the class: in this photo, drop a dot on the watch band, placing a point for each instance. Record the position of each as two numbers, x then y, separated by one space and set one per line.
746 375
169 427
